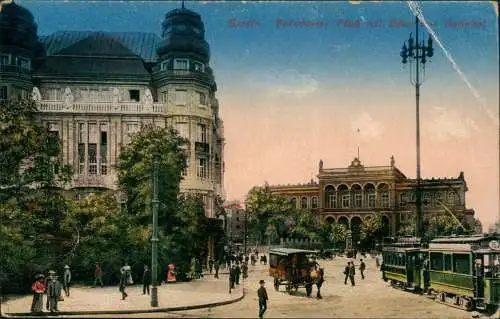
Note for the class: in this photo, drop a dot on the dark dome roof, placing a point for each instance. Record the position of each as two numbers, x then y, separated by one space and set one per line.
17 27
184 31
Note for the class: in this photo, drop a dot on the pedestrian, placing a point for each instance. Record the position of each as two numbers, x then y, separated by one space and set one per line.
352 272
377 261
362 268
54 293
98 275
346 272
231 278
237 273
38 289
146 279
244 270
48 279
210 265
66 279
262 294
319 282
216 266
123 282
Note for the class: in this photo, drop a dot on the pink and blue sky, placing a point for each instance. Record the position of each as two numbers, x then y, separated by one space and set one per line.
293 94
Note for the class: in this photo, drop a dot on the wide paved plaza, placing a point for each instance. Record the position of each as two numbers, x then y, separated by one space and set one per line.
370 298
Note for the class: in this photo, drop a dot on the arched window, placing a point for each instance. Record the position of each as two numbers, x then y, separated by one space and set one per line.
314 202
383 190
452 198
303 202
345 197
357 196
293 200
330 197
370 195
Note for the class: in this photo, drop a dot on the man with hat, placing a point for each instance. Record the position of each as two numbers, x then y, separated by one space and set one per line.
48 280
262 293
66 279
53 292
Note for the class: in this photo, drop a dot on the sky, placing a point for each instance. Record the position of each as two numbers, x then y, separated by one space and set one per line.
297 79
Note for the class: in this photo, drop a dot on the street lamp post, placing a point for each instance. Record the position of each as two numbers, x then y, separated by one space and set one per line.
418 52
245 239
154 238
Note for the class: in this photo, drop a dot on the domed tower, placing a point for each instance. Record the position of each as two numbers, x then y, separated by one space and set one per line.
184 82
19 51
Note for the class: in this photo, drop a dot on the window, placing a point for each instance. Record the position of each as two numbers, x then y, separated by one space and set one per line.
92 158
358 200
81 133
303 202
447 262
384 199
164 65
201 168
202 99
461 264
24 63
403 199
104 150
371 200
164 96
314 202
199 67
81 158
346 201
134 95
436 261
332 201
180 97
202 133
182 128
452 198
4 59
3 92
181 64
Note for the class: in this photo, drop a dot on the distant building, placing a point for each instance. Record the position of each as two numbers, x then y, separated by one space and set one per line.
350 195
235 221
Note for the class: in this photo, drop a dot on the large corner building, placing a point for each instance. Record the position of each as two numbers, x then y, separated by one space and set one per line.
95 89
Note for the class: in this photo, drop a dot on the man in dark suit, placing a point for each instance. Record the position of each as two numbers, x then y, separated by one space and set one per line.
262 293
146 280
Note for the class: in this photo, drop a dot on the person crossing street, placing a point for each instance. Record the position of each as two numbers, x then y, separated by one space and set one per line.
262 294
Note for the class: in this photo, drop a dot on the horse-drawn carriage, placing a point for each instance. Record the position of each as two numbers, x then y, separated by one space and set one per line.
292 268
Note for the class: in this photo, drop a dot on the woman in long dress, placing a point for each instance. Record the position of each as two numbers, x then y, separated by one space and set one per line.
38 289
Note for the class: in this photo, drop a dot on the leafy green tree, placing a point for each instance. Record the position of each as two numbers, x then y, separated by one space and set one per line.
31 205
339 234
372 230
182 221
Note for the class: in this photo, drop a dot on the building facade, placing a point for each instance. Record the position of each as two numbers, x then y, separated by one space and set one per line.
96 89
235 221
352 194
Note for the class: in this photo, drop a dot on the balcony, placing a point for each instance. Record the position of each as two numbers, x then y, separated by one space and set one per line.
100 107
184 75
98 181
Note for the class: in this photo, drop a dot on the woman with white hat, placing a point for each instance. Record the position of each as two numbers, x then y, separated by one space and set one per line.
66 279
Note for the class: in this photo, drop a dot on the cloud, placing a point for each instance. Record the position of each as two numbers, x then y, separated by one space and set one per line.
449 124
368 127
290 83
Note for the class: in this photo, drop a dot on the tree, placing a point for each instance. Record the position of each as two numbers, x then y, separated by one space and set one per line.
372 229
31 204
339 233
182 221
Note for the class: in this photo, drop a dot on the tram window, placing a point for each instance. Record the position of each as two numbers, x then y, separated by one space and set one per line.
273 260
447 262
401 261
461 264
436 261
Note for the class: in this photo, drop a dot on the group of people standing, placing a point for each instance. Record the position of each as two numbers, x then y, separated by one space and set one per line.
52 287
350 271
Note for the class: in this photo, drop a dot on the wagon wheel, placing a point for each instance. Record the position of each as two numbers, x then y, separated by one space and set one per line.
468 304
289 287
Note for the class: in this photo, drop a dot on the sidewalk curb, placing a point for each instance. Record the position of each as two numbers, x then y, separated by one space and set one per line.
130 311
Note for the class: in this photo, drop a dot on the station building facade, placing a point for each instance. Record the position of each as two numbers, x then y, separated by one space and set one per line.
350 195
96 89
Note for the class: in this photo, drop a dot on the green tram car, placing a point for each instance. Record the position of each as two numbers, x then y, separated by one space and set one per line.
462 271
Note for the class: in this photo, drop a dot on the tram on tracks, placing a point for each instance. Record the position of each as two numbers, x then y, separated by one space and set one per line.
461 271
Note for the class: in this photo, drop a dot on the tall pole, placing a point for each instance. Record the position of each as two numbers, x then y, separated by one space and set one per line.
420 217
245 239
154 239
417 52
